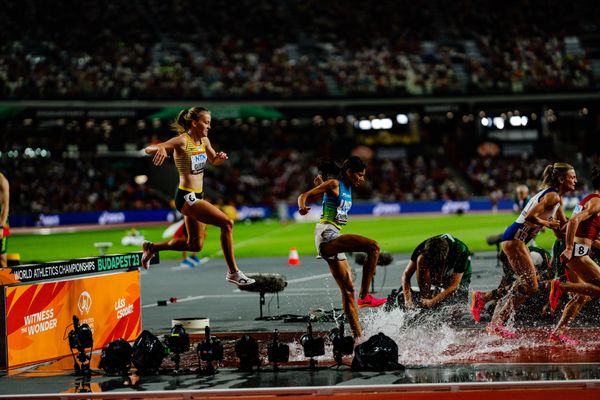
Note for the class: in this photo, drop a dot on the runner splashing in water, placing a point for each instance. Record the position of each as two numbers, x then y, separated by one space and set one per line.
544 210
331 243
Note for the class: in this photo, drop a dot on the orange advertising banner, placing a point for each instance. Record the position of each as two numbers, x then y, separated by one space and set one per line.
40 316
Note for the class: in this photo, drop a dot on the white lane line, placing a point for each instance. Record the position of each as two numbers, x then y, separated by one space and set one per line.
310 278
220 296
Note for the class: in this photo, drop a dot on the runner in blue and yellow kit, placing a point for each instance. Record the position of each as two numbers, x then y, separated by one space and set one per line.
331 243
191 150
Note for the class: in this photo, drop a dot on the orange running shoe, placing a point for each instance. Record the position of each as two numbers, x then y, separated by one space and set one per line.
370 301
555 294
477 305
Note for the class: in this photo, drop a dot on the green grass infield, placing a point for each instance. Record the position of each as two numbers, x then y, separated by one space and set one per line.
274 239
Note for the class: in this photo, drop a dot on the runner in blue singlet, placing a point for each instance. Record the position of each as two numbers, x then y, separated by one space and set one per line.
331 243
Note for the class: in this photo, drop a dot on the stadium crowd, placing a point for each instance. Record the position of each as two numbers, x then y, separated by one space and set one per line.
280 50
291 49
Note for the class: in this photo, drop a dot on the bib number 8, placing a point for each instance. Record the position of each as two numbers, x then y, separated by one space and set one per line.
580 250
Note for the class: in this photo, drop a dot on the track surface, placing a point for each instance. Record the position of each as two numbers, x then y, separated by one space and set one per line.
434 351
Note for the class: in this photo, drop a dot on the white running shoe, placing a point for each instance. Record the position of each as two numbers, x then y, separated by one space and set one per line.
147 254
239 279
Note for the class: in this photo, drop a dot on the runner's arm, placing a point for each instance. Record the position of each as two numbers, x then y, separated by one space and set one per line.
409 271
456 278
164 150
548 202
214 157
331 185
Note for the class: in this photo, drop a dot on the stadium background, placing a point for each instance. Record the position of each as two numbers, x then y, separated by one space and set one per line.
452 105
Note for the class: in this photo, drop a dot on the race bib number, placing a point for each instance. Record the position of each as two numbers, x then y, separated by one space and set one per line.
342 211
198 160
190 198
580 250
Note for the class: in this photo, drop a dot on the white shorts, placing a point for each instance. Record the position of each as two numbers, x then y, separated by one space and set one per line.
325 233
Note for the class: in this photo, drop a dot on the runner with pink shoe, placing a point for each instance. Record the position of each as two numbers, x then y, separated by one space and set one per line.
544 210
583 272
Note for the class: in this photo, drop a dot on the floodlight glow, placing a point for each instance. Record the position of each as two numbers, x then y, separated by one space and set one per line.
515 120
524 120
364 125
383 123
485 121
499 122
141 179
402 119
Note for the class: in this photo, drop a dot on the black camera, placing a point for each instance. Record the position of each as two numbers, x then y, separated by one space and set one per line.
80 337
342 345
278 352
313 346
246 349
178 341
210 349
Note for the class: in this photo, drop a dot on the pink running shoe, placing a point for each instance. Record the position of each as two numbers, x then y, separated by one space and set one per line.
555 294
147 254
370 301
498 329
563 339
477 305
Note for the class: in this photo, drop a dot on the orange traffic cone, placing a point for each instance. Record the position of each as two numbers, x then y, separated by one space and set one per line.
293 259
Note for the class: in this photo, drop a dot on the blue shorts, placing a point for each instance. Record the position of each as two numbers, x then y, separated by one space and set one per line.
522 232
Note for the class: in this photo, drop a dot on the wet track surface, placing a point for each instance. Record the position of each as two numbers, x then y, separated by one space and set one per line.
443 347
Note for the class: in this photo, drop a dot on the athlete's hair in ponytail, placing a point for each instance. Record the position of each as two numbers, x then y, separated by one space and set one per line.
353 164
553 173
595 177
328 168
184 119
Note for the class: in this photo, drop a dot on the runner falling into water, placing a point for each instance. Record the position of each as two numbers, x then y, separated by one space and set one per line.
442 264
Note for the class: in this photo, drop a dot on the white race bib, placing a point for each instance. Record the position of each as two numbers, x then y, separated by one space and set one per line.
198 160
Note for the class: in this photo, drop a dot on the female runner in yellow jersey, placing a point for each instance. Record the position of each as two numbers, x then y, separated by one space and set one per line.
191 149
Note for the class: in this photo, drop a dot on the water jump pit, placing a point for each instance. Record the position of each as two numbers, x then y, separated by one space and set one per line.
439 362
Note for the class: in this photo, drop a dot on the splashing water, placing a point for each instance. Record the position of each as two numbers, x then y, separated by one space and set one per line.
432 337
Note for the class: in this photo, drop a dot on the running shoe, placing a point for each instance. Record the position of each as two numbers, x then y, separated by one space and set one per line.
147 254
370 301
562 339
194 260
555 294
498 329
239 279
477 305
187 263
